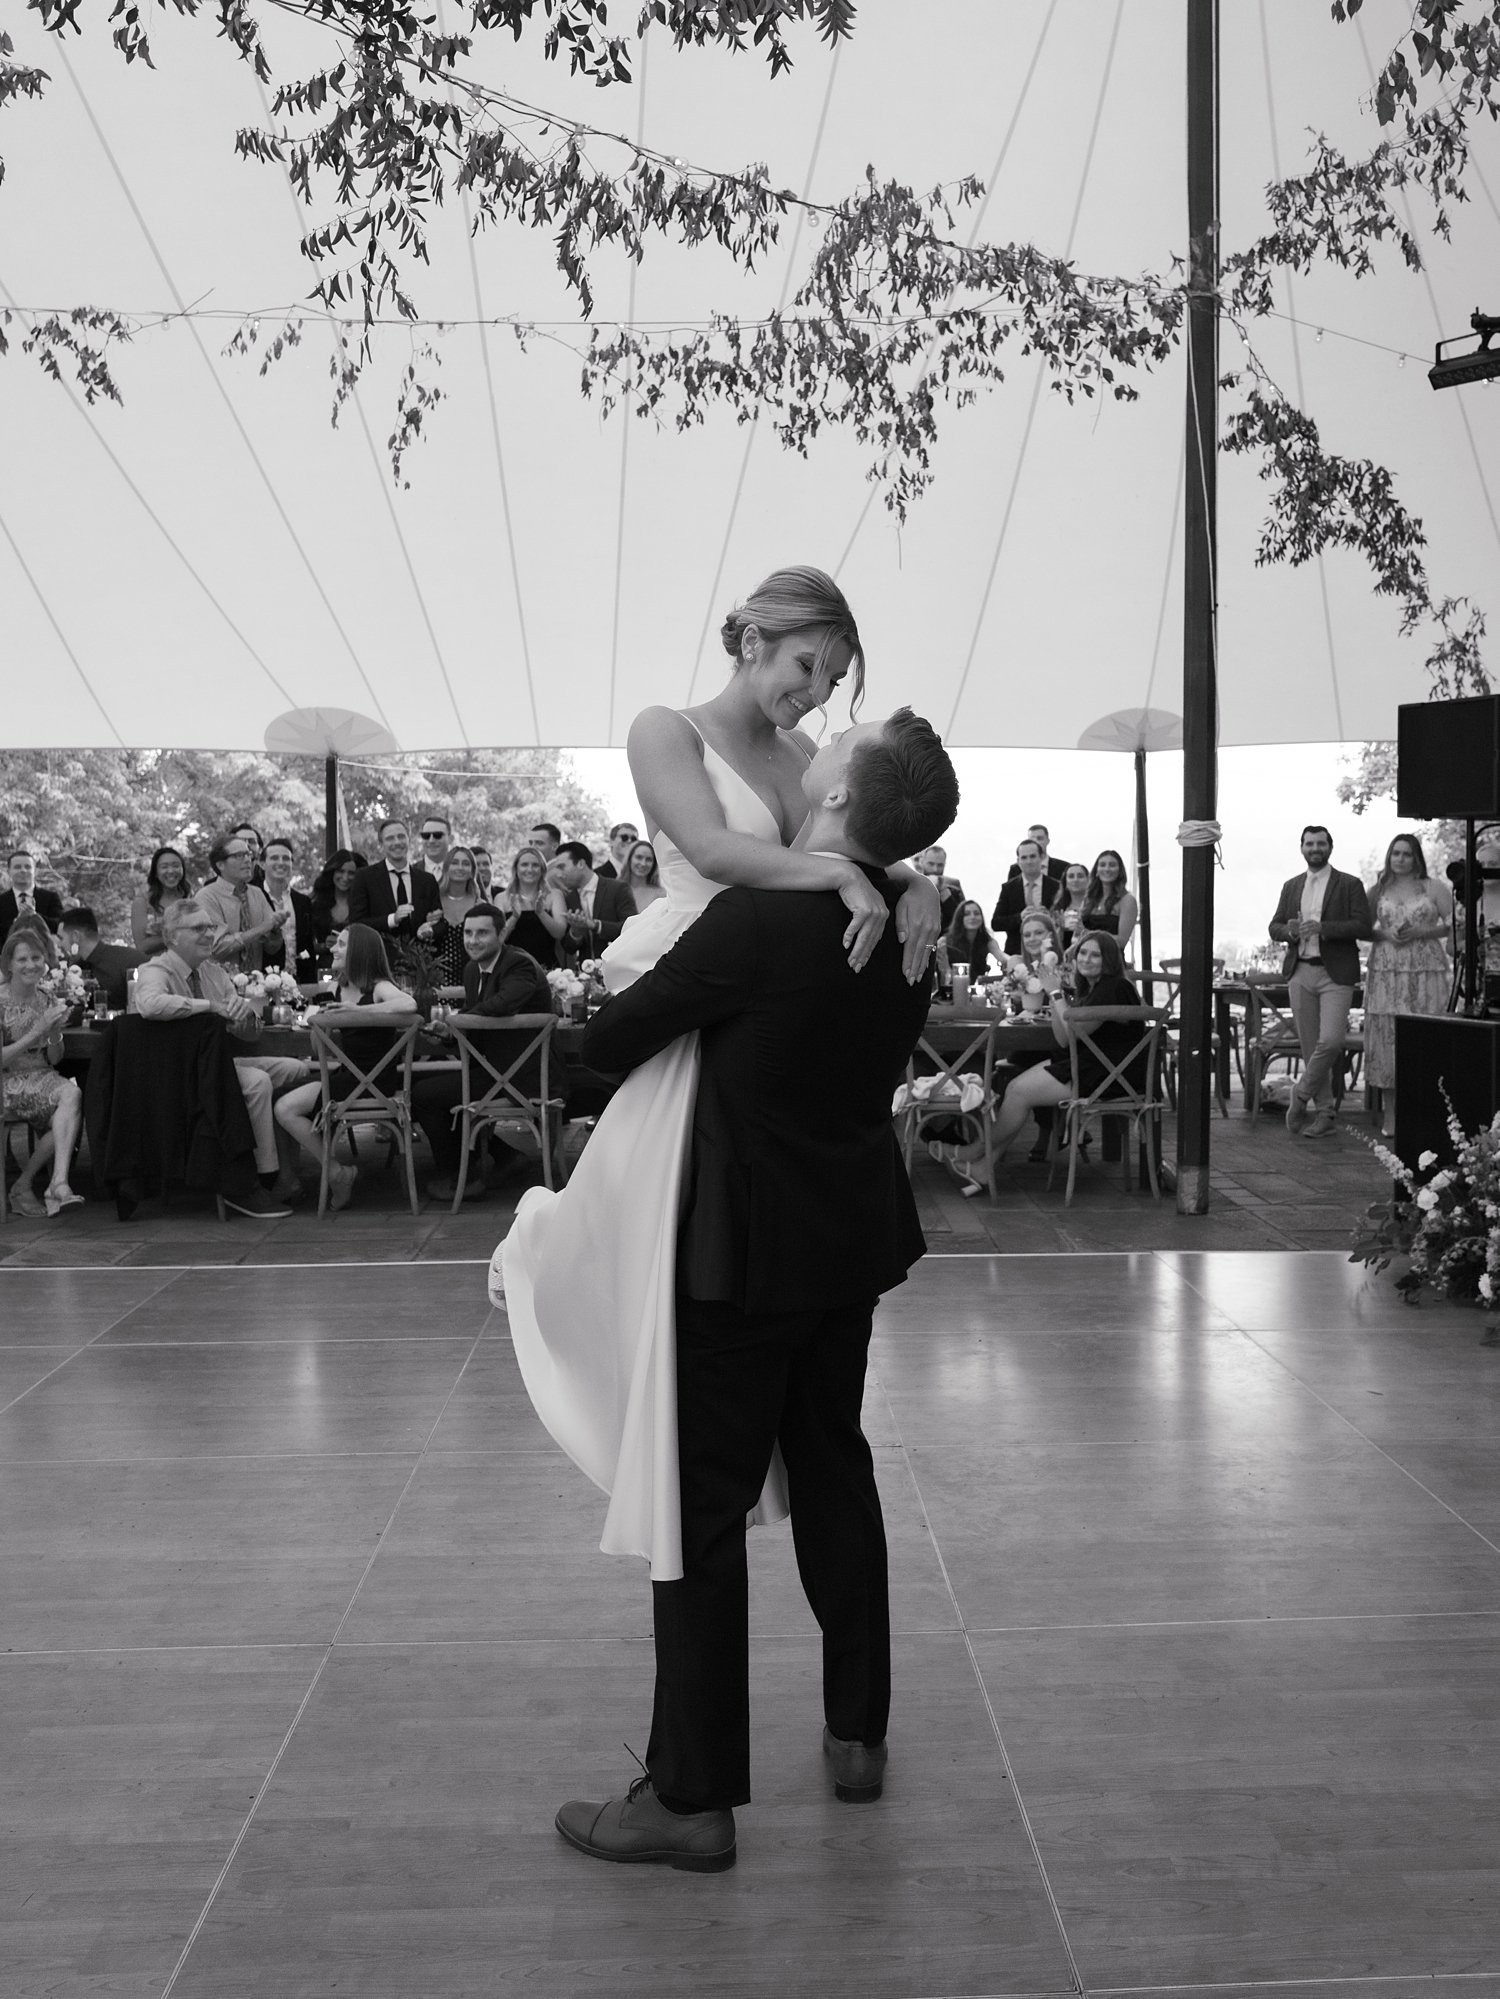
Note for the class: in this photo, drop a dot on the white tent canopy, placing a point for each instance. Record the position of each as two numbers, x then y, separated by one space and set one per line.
182 570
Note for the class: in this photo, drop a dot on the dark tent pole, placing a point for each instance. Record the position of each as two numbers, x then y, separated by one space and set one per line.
1200 718
1143 855
331 804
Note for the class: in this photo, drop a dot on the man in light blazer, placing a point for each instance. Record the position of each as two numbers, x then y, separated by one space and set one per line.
1320 918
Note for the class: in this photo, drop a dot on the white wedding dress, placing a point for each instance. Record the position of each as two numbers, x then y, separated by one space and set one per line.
587 1273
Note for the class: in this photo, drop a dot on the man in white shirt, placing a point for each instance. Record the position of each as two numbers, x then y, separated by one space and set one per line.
598 909
292 950
184 979
24 894
1320 918
1029 887
621 839
434 838
392 896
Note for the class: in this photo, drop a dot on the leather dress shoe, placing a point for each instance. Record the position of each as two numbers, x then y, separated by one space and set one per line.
858 1771
638 1827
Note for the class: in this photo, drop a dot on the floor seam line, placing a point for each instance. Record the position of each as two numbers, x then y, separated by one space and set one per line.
7 1407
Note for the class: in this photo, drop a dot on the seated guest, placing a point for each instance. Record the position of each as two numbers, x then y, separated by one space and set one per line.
950 889
242 913
533 910
1029 887
621 839
1099 979
108 964
443 932
185 979
31 1046
597 910
330 895
363 973
23 894
1039 935
30 924
498 980
643 876
1069 910
166 881
290 946
968 945
1109 905
391 895
484 870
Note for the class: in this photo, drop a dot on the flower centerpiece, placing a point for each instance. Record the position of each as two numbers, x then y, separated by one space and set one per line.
569 994
1446 1223
68 984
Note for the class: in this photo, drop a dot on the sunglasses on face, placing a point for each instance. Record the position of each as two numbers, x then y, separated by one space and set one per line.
433 836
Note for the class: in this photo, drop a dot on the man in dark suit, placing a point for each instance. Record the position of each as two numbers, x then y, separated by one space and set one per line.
597 909
110 965
392 896
621 839
796 1215
1320 918
23 893
291 947
498 980
1029 887
1054 870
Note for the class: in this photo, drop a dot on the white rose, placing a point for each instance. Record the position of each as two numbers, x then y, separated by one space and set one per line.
1427 1199
1486 1287
1427 1159
1034 985
240 982
1443 1179
1049 957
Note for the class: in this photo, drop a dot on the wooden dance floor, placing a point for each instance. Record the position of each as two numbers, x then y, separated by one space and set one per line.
1196 1588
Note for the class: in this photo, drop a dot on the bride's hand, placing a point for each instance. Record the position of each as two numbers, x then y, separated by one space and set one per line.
918 925
867 917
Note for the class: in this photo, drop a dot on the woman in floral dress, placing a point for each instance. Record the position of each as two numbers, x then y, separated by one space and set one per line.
30 1043
1408 970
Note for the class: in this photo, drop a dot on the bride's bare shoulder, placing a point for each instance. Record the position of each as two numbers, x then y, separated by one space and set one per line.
663 729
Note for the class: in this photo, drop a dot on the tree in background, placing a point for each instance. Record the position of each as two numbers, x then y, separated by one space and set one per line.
94 817
1371 779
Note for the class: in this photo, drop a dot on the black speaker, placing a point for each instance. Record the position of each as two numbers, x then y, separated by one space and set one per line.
1438 1052
1448 758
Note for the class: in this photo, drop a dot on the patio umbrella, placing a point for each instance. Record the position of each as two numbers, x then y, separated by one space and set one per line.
1137 730
329 733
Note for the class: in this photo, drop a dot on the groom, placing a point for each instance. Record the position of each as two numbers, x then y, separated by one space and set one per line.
797 1214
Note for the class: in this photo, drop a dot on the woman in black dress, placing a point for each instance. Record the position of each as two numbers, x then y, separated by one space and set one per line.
1109 906
330 899
969 945
443 933
536 917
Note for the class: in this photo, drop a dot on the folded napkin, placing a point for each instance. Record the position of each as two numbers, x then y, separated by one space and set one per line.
964 1092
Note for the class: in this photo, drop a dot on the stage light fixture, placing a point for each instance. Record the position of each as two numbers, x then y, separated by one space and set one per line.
1475 364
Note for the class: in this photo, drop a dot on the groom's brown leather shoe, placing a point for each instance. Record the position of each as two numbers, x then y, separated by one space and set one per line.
639 1827
858 1771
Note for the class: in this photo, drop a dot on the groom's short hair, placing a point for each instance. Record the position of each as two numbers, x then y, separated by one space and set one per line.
903 789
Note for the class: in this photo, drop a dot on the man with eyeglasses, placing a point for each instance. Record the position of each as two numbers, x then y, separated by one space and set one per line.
242 912
184 979
392 896
434 838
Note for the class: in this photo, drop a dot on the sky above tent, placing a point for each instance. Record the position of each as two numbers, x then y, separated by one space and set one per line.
184 569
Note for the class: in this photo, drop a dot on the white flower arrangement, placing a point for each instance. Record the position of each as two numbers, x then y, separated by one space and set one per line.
1448 1225
65 983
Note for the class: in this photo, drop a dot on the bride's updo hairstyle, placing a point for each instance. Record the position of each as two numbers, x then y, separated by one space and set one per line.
789 601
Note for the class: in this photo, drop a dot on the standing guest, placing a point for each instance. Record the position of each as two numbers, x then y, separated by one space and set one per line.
643 876
242 912
1408 971
1320 918
363 974
443 932
484 870
545 836
498 980
330 895
31 1046
1053 869
1028 887
434 838
1109 905
621 839
257 848
968 945
390 895
166 881
597 910
185 979
24 894
109 964
1070 909
533 911
291 947
950 889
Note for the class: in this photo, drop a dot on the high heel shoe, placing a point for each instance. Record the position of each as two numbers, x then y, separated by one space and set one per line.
60 1197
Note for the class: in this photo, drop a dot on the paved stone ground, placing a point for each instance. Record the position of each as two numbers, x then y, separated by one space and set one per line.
1268 1192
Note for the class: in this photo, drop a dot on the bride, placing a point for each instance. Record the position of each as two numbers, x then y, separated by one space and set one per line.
587 1273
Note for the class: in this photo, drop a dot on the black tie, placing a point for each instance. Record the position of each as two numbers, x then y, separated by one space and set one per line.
400 890
195 984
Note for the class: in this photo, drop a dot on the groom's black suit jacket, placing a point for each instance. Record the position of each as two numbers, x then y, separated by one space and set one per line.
796 1198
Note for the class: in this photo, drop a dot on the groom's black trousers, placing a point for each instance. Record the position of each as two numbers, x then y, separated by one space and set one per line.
743 1384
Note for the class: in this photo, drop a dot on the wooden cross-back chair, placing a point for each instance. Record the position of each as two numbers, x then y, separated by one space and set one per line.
1114 1094
970 1047
501 1104
372 1104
